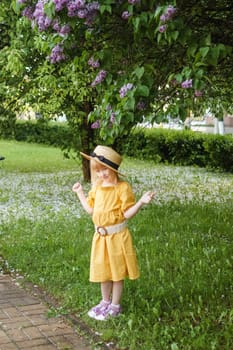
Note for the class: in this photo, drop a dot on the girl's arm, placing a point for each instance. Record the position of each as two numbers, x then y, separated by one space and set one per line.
145 199
77 188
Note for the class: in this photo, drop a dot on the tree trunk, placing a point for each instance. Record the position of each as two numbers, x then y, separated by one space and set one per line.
86 142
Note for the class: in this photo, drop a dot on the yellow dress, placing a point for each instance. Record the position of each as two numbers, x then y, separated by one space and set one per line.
113 257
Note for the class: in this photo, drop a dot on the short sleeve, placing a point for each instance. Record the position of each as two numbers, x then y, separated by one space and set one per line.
91 197
127 197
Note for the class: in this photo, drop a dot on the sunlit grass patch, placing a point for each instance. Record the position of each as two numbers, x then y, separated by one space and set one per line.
29 158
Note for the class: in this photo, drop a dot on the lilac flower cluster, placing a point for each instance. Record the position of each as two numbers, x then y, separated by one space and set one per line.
134 2
75 8
57 54
28 12
124 89
166 17
168 14
78 8
198 93
162 28
93 63
59 4
112 117
43 22
96 124
187 84
125 15
99 78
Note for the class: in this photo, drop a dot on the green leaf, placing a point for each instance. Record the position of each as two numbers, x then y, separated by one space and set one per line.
49 9
130 103
214 55
158 11
139 71
142 90
105 8
204 51
174 35
179 77
191 50
136 22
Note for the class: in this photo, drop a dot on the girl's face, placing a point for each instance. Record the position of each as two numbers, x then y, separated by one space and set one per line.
106 175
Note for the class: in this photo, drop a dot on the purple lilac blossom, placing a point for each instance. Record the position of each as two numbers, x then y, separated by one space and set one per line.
56 25
125 15
99 78
65 29
82 13
162 28
28 12
124 89
74 6
40 17
112 117
198 93
187 84
168 14
163 18
93 63
134 2
60 4
171 10
96 124
57 54
92 9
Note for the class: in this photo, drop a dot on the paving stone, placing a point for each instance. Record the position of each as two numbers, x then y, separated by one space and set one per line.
24 323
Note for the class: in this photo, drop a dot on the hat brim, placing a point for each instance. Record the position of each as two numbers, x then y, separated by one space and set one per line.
87 156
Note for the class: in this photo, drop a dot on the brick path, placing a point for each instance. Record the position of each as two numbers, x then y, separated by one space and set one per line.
24 323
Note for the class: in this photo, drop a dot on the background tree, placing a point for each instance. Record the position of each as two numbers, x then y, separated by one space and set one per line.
109 64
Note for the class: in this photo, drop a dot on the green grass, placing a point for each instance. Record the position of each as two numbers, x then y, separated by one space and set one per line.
184 296
24 157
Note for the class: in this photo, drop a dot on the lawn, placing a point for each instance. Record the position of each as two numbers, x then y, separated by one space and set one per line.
184 296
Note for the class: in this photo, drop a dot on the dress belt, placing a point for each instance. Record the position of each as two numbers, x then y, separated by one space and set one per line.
109 230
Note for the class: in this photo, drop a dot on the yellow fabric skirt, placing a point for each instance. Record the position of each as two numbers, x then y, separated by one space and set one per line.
113 257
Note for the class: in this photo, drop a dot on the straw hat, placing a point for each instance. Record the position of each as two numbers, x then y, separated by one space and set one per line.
105 156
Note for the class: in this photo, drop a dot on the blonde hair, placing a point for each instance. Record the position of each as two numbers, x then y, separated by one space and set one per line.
95 167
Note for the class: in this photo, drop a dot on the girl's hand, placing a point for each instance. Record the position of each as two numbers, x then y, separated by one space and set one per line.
147 197
77 188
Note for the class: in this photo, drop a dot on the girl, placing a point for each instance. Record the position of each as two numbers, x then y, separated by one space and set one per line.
111 203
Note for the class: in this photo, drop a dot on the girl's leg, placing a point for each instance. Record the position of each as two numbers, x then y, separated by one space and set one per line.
106 290
117 290
113 309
